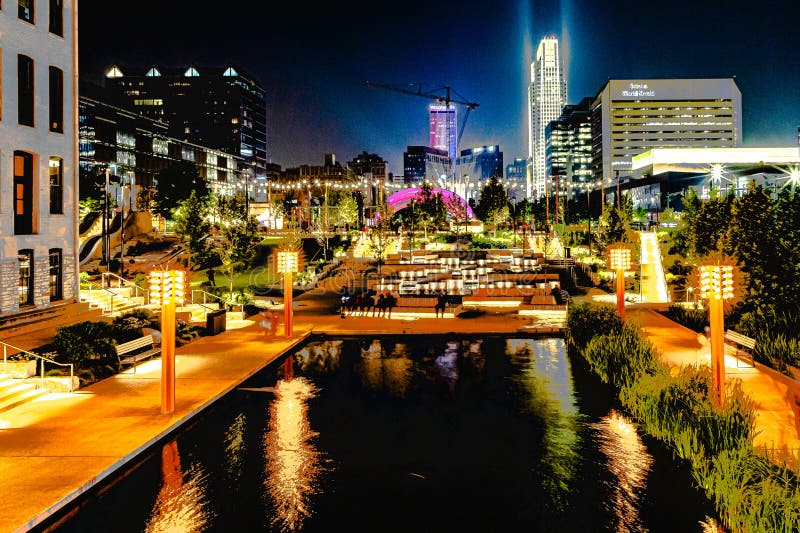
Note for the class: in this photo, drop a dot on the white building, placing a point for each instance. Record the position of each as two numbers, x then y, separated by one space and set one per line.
38 162
547 94
632 116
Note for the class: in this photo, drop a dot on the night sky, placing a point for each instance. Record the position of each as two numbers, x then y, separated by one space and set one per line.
313 61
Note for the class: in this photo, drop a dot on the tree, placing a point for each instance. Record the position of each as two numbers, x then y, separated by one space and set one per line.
238 236
347 210
175 184
193 227
459 217
493 198
380 234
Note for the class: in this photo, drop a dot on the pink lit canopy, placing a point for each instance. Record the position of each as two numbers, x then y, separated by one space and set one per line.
402 198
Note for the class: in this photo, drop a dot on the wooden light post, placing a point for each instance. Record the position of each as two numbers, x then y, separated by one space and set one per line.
716 284
167 287
287 265
620 261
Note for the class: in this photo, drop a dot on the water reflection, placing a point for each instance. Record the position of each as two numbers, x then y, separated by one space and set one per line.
547 394
447 365
629 462
379 371
235 448
292 461
181 502
320 357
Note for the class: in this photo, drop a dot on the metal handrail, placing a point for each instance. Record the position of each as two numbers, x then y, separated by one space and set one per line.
222 300
127 283
100 288
6 346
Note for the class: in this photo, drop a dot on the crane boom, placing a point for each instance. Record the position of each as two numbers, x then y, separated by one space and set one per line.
446 99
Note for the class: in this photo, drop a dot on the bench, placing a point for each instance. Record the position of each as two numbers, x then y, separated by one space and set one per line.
737 339
134 345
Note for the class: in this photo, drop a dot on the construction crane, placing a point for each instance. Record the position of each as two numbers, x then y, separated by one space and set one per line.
432 95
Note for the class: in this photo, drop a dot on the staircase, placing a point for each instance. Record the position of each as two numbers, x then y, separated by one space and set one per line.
16 391
112 301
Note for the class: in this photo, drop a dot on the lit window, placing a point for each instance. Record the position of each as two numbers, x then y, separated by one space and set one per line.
191 72
56 276
160 146
56 186
153 72
114 72
25 286
25 11
230 72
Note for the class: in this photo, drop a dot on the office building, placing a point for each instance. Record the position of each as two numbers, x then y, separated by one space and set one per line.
547 94
138 148
443 128
568 150
421 163
477 166
632 116
223 108
38 165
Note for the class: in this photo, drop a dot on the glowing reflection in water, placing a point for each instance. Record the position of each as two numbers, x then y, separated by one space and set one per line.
549 396
181 502
293 463
397 375
447 365
630 463
235 447
320 357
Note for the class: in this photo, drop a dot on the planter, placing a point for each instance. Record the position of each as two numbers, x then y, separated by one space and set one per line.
20 369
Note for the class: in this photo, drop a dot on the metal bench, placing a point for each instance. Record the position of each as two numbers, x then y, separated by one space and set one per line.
132 346
737 339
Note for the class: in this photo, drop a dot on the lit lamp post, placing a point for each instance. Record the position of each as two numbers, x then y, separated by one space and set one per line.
620 261
716 284
287 265
167 287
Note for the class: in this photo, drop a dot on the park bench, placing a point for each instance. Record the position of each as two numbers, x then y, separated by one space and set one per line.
738 340
132 346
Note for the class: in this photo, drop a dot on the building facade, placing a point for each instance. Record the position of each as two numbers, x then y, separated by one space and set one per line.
38 157
138 148
477 166
547 95
223 108
568 150
632 116
422 163
443 126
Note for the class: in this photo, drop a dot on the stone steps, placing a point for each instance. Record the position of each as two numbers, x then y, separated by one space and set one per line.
15 392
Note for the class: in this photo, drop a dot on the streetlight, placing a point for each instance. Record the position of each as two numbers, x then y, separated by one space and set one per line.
167 287
716 284
288 262
620 261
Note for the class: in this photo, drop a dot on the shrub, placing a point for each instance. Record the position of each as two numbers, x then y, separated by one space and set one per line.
128 326
86 343
585 320
621 356
693 318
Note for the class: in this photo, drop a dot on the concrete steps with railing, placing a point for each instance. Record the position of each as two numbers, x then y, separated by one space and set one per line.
16 391
112 301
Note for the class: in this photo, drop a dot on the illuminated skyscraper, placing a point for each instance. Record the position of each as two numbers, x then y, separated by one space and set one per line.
547 94
443 129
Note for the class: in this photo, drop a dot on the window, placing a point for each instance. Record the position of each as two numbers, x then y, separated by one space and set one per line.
25 90
56 100
57 17
56 277
23 193
56 186
25 288
26 10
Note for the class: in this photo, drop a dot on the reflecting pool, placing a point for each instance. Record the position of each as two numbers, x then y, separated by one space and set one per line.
411 433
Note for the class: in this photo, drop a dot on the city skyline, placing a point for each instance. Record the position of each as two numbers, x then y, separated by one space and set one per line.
320 104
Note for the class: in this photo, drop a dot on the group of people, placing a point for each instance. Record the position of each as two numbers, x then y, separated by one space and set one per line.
361 304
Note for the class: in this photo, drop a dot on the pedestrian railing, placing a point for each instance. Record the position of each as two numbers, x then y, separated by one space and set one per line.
109 279
41 360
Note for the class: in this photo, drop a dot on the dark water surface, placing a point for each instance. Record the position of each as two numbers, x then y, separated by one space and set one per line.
414 433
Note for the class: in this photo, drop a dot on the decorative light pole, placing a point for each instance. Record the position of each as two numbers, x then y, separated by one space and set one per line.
620 261
287 265
167 287
716 284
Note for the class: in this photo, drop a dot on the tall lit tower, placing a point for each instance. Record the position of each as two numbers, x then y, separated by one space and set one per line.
443 128
547 94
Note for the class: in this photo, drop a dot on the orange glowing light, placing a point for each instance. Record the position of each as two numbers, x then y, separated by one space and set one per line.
167 286
716 281
620 258
288 262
